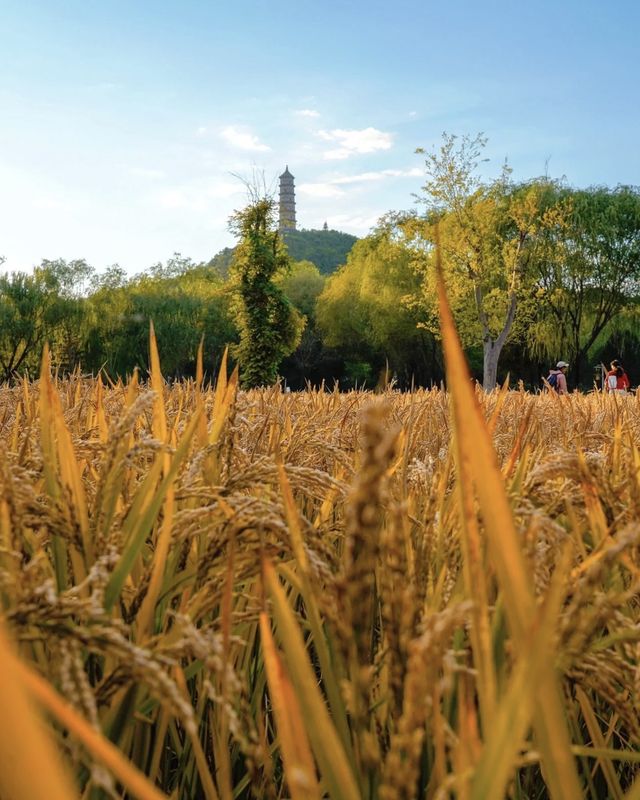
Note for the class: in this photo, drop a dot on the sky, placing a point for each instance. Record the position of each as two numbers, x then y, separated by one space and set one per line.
128 127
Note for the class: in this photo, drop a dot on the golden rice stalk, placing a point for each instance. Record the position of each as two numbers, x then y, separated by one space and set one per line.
97 745
30 764
515 710
589 716
335 769
325 657
145 510
163 540
223 402
63 479
299 768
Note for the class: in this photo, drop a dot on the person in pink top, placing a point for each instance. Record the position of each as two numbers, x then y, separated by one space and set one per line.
558 378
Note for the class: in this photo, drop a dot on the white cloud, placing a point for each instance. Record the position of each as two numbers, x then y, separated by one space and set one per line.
414 172
413 113
330 188
240 137
357 223
355 142
202 130
319 190
307 112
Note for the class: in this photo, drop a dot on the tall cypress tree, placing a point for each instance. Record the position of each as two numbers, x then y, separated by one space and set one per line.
270 328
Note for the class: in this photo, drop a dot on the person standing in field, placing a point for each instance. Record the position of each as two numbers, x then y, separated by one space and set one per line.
557 378
617 379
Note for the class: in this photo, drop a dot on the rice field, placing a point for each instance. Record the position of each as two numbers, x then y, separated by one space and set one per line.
209 593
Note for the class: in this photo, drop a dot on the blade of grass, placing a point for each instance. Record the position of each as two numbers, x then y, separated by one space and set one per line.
50 469
588 714
139 526
515 710
299 767
330 670
335 770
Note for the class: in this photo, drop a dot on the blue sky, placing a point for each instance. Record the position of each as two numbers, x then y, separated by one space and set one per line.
123 123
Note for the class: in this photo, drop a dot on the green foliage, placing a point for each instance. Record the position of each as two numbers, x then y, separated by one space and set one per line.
47 305
362 309
327 249
222 261
490 237
312 361
270 327
27 312
303 285
184 306
591 274
68 282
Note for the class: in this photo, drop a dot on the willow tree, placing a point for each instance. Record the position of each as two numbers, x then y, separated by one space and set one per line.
490 235
592 272
362 311
270 328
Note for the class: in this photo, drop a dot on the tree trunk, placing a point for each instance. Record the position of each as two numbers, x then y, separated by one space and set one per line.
492 349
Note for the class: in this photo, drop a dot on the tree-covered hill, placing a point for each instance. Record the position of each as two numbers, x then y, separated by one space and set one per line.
327 249
222 261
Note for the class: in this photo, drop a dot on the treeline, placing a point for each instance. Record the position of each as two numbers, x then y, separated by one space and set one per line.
535 272
101 321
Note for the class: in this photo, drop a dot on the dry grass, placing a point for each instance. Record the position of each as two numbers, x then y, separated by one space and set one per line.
322 594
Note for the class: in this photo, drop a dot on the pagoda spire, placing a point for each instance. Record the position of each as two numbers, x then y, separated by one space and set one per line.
287 205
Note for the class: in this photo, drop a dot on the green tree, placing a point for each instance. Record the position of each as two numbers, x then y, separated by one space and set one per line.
184 305
327 249
302 286
23 321
270 327
362 311
490 235
68 284
33 310
591 272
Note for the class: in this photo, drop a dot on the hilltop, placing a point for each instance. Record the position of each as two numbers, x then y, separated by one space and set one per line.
327 249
